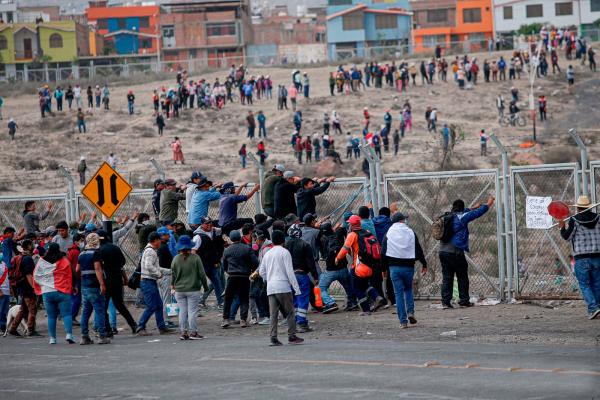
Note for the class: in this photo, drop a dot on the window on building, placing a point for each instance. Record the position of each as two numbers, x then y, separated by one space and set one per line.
339 2
121 23
565 8
102 24
384 21
534 11
437 15
168 31
471 15
144 22
221 29
433 40
353 22
56 41
145 43
508 12
3 43
595 6
9 17
320 37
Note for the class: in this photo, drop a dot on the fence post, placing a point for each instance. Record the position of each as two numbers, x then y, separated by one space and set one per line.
372 193
70 209
507 220
261 181
583 160
158 167
379 180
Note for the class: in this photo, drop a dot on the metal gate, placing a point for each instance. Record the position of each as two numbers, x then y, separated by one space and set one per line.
424 197
541 258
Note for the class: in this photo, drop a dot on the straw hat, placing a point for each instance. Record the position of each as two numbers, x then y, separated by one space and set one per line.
583 202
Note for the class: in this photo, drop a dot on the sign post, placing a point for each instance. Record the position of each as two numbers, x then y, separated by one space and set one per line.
107 191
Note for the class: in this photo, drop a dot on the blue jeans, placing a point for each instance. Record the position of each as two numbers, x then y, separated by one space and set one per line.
262 130
587 271
214 275
154 304
306 90
402 279
343 277
4 307
302 300
112 314
92 301
130 106
58 303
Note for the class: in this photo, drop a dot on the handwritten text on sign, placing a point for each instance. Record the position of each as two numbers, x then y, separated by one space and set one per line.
536 212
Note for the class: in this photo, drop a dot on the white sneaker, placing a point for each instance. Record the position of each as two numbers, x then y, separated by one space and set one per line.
265 321
52 340
253 321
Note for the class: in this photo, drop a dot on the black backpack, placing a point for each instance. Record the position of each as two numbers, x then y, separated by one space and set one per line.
331 248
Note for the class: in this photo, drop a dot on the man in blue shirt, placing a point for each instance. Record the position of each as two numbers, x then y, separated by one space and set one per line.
452 253
230 198
204 194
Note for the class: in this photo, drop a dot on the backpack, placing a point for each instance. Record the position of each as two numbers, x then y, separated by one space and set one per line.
369 249
15 276
331 248
442 228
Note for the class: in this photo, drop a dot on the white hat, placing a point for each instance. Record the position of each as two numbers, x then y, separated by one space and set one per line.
81 158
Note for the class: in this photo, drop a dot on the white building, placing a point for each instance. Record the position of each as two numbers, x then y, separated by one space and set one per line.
509 15
8 11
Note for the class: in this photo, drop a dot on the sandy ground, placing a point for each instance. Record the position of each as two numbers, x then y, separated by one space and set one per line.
212 138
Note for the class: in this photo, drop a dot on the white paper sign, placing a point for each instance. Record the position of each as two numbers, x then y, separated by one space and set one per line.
536 212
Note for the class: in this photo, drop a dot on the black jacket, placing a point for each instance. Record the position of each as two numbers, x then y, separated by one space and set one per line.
302 256
239 260
306 199
285 202
211 249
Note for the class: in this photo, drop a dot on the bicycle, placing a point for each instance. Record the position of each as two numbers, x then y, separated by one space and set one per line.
512 120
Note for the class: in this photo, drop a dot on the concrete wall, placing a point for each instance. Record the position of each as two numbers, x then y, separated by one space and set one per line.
303 53
262 54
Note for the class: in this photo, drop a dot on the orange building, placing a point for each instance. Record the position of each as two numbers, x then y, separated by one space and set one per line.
461 25
126 30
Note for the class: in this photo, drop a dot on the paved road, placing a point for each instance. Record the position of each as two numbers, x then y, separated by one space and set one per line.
246 368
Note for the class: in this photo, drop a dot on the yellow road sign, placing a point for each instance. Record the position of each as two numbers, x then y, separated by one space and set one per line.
107 190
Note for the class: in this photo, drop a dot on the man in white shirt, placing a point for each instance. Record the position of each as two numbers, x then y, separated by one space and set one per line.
277 271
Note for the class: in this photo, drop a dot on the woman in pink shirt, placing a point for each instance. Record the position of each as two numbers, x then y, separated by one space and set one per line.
293 93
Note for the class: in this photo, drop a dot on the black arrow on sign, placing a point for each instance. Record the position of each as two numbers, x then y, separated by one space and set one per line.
100 182
113 190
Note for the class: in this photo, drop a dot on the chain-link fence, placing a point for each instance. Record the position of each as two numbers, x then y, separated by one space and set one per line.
426 196
541 259
543 267
12 207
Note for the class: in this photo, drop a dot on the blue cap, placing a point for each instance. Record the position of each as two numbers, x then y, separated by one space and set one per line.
227 188
184 243
196 175
162 231
90 227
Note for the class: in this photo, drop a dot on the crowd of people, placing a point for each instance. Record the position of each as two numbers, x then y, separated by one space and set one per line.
259 267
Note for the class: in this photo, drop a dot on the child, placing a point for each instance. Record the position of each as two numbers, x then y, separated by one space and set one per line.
12 128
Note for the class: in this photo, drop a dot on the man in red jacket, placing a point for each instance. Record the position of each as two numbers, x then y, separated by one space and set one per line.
73 256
